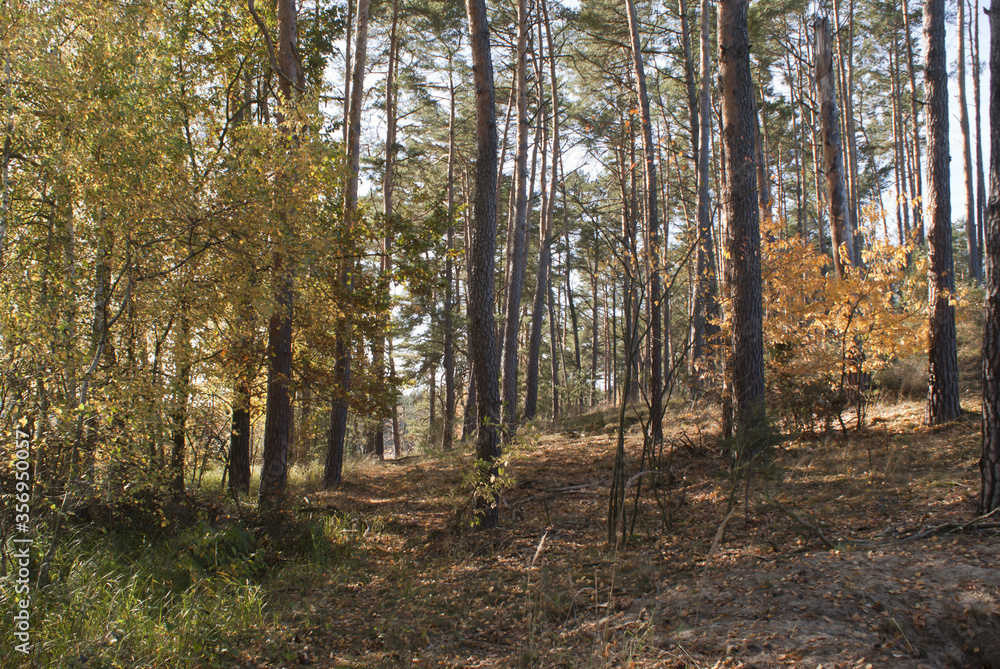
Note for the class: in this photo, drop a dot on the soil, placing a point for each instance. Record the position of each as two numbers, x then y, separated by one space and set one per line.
848 550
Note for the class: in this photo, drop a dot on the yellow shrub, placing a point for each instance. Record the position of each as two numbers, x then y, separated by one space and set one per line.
821 334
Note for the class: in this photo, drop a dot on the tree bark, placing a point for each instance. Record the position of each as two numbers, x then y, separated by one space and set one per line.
333 469
518 246
705 310
989 463
182 384
377 434
653 227
916 175
239 441
833 166
742 217
448 438
972 239
482 340
942 401
278 420
544 258
980 180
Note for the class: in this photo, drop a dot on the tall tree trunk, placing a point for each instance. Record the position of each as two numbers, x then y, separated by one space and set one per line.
278 419
705 309
555 348
972 238
989 463
470 419
482 340
980 181
348 64
545 245
431 403
916 174
449 271
653 227
595 325
902 208
942 400
376 435
239 441
742 219
694 119
182 388
518 246
833 166
333 468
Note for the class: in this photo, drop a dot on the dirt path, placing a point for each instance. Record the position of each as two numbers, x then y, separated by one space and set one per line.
418 588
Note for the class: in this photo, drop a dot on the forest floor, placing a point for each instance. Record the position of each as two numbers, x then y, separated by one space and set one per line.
902 582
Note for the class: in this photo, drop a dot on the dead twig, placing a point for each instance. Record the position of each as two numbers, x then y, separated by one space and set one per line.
794 516
951 528
538 551
582 486
721 532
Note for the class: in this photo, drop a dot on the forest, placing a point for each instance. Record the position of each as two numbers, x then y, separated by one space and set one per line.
544 333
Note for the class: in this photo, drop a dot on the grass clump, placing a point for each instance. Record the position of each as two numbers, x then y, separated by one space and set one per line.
181 601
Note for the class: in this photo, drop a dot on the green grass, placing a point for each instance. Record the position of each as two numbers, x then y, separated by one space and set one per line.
154 604
192 593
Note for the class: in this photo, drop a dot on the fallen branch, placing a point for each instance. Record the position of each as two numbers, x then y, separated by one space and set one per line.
582 486
794 516
319 509
721 532
951 528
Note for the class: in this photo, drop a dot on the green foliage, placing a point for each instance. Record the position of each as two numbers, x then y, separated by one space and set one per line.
126 601
230 552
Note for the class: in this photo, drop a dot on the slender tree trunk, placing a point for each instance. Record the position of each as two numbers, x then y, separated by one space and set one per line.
916 174
239 442
182 386
376 436
705 309
469 418
694 119
833 167
482 340
555 348
431 403
653 227
348 64
902 207
942 401
449 297
545 246
742 218
989 463
972 239
518 246
980 181
568 269
333 469
594 334
278 419
397 435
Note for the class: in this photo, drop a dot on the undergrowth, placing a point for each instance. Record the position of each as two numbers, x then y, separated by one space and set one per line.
190 594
